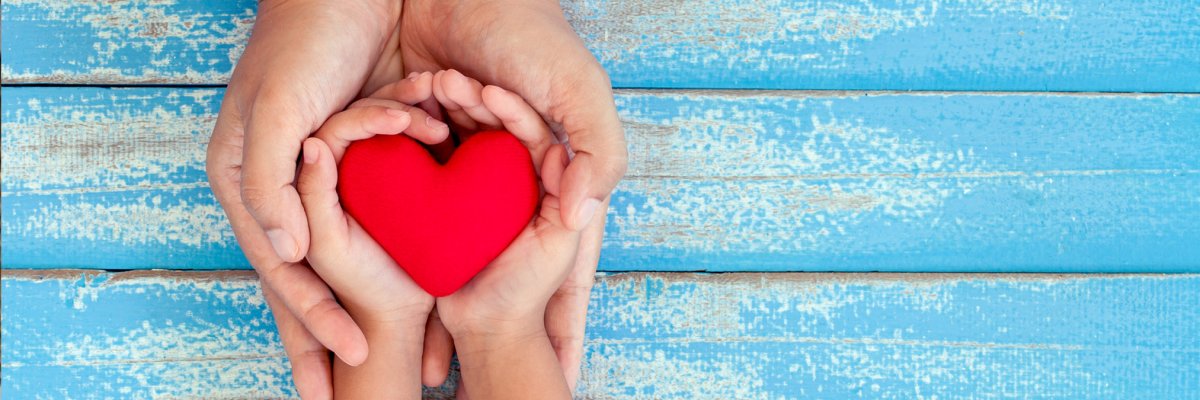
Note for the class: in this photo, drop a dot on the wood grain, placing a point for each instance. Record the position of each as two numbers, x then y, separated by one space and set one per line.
209 334
1032 45
718 181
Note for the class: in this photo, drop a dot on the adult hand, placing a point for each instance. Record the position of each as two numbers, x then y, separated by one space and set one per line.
306 59
527 46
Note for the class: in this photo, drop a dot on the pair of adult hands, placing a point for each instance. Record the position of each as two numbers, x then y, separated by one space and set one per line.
308 59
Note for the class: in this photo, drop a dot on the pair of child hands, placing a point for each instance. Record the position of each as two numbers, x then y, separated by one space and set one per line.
497 319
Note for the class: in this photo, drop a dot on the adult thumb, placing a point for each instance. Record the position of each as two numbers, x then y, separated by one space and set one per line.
595 136
272 144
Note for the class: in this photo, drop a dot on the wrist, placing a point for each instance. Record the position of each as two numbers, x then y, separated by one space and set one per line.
483 344
403 318
494 324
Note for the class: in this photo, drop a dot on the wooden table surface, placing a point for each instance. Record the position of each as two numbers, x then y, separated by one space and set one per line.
825 199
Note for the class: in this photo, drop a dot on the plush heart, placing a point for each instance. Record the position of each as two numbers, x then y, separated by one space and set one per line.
442 223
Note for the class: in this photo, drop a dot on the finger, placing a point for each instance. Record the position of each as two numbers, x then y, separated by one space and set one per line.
318 192
298 288
566 312
467 94
521 120
310 300
460 391
271 143
598 142
424 127
462 122
377 117
439 349
566 321
363 119
417 87
309 359
552 169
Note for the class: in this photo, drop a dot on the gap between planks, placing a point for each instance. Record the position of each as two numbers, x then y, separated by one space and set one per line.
116 276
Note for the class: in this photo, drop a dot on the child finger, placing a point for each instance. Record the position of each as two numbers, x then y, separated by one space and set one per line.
424 127
521 120
378 117
463 123
317 185
552 169
467 94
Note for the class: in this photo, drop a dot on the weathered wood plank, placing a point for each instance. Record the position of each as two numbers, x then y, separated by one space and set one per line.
172 334
1058 45
113 178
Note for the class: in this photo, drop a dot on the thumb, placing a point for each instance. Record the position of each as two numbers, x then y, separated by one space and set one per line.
272 142
318 192
595 136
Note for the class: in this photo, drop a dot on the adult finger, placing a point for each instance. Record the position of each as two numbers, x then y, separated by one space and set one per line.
589 117
463 123
303 293
439 349
310 361
309 358
520 119
309 299
415 88
566 312
467 94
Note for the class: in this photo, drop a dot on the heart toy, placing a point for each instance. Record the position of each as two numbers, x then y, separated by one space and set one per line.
442 223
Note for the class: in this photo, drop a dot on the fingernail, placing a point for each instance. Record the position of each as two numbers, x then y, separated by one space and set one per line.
395 113
587 210
310 154
435 124
284 246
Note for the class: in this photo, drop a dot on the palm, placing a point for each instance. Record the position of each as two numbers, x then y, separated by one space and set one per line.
508 288
380 285
529 50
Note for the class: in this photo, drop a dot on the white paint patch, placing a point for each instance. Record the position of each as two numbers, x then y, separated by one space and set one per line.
655 374
143 28
108 140
201 356
615 30
141 222
728 175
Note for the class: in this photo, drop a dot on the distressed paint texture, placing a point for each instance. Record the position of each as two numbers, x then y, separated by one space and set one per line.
1060 45
173 334
114 178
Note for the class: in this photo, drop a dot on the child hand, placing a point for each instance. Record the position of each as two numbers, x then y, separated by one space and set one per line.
365 278
380 297
497 319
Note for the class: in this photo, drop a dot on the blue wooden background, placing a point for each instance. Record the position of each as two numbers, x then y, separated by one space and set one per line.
977 139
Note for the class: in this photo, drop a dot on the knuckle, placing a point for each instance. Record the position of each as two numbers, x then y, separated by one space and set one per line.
319 353
255 197
581 286
320 309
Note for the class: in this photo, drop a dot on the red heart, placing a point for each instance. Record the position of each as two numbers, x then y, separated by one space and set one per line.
442 223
